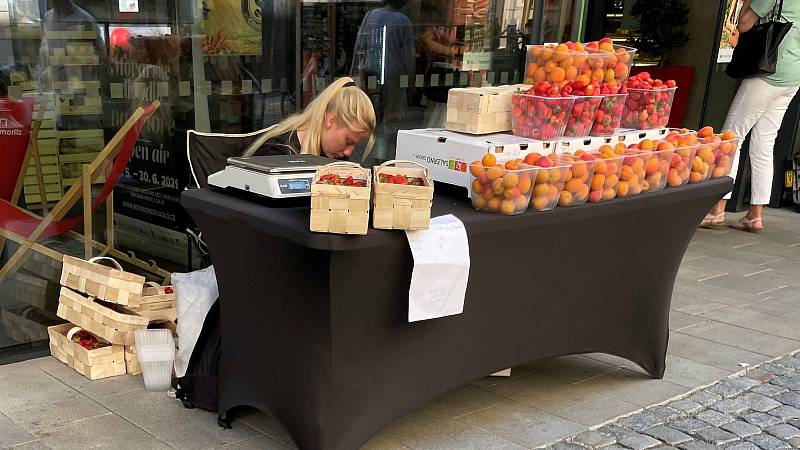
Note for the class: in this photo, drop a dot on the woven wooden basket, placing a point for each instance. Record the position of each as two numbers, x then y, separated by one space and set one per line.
156 302
114 325
340 209
96 280
399 206
103 362
132 365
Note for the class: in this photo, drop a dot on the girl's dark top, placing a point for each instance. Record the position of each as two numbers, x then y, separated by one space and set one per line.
284 144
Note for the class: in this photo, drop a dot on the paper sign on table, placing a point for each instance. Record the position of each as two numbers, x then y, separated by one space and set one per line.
441 269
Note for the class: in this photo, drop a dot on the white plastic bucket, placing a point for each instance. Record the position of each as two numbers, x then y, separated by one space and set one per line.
156 352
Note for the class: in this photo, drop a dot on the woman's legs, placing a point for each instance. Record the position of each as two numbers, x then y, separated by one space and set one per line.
757 106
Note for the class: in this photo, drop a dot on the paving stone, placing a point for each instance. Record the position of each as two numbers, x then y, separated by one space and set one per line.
594 439
698 445
639 441
715 418
783 431
744 383
795 423
716 436
759 402
640 421
665 413
789 398
705 398
794 442
768 442
725 389
792 383
686 405
777 369
741 428
666 447
786 412
794 362
614 447
761 420
668 435
617 432
689 425
730 406
743 446
770 390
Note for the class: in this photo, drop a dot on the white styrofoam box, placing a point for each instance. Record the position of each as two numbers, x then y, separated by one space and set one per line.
634 136
627 137
447 154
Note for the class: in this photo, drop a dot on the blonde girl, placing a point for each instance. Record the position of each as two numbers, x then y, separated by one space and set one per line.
332 125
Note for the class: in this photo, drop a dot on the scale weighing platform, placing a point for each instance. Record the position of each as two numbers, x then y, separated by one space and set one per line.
281 176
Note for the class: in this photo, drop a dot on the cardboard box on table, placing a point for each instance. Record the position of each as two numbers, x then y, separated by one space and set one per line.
448 154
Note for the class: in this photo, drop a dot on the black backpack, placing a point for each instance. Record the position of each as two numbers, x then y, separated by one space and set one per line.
199 387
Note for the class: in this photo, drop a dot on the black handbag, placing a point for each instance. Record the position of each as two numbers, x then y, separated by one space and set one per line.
756 53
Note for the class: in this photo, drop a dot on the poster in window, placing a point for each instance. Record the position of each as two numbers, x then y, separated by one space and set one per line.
232 27
730 35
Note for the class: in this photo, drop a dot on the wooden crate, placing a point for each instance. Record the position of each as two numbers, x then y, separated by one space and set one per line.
398 206
114 325
96 280
479 110
340 209
103 362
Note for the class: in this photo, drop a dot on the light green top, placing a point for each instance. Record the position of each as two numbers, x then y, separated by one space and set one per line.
788 70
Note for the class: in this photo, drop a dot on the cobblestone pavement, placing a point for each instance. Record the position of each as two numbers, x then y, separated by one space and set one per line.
757 410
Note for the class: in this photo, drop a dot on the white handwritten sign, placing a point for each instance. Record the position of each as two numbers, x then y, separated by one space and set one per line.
441 269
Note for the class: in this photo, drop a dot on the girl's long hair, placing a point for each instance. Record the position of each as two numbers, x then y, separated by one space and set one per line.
343 98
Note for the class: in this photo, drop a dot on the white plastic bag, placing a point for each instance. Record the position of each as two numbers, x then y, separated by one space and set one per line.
196 292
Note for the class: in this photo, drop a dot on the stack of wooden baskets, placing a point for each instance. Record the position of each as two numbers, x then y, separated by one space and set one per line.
111 305
344 209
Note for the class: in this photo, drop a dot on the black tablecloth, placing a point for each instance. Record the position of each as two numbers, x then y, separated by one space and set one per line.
315 327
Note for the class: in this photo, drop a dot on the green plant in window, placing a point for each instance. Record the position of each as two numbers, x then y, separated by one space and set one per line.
662 27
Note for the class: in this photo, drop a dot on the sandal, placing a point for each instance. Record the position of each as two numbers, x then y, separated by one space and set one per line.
714 221
749 225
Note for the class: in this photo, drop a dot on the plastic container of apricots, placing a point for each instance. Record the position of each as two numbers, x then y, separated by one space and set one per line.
501 188
648 108
549 181
577 179
541 118
605 179
609 115
657 167
633 173
582 116
560 63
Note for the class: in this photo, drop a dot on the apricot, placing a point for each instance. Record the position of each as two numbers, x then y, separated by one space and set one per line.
609 193
507 207
646 144
705 154
555 175
520 203
574 185
652 166
498 186
543 176
622 189
540 203
697 164
621 70
565 198
524 184
530 158
489 160
476 168
494 173
583 193
718 172
478 202
510 179
611 181
571 72
705 132
494 203
605 148
540 75
673 179
634 181
552 192
727 135
654 180
595 196
580 170
597 182
487 193
541 190
600 167
626 174
695 177
557 75
477 186
512 193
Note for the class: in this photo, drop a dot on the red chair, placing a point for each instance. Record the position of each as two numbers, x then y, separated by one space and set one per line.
27 228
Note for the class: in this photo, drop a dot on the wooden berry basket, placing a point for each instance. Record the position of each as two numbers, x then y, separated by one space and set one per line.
399 206
132 365
96 280
156 302
103 362
340 209
114 325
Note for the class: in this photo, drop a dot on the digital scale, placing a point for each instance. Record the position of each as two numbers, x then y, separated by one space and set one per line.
281 176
